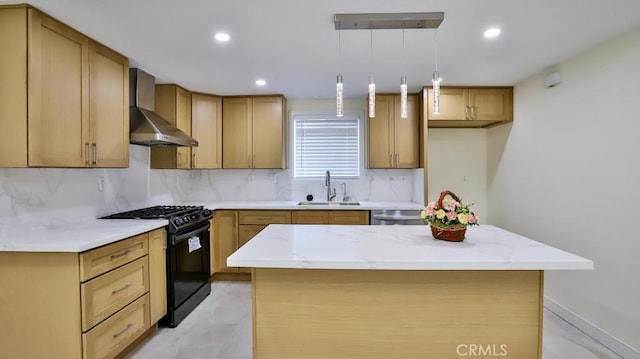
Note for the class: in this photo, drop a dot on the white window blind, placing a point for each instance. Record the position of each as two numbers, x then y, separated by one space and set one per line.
327 143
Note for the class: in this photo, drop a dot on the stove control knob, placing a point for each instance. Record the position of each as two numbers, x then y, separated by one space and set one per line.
179 221
194 217
207 212
185 219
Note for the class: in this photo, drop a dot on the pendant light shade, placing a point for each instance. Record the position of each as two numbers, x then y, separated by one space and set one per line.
339 89
339 97
436 80
403 97
403 84
372 97
372 85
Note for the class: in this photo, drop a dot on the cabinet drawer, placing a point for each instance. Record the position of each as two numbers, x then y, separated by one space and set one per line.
310 217
116 333
108 293
264 217
105 258
348 217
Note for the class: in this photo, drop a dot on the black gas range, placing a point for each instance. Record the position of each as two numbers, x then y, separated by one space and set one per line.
188 256
179 217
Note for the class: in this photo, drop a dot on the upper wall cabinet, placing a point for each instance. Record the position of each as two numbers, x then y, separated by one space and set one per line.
253 132
206 128
63 98
394 141
173 103
470 107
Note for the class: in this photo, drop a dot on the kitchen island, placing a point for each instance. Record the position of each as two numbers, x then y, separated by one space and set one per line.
395 292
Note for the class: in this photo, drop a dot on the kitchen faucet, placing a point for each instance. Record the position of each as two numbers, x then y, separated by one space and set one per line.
327 182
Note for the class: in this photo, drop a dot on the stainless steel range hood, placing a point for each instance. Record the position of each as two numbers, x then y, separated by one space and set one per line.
146 127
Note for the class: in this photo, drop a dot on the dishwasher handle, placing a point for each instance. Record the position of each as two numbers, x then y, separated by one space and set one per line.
387 217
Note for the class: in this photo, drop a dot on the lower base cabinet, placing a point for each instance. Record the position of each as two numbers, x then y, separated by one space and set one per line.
233 228
82 305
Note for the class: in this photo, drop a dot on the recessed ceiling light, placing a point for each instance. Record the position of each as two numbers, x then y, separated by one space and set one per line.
222 36
492 32
261 82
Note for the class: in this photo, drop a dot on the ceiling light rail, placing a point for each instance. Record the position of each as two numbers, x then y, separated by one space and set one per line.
374 21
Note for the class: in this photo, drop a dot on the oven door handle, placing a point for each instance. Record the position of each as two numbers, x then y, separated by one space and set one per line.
181 237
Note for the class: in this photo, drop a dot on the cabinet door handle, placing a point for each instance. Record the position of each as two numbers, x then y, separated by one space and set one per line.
254 161
95 153
397 160
121 254
193 160
116 291
391 159
123 330
473 112
87 153
466 112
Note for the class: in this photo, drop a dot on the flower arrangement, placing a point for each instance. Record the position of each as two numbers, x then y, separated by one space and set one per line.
449 217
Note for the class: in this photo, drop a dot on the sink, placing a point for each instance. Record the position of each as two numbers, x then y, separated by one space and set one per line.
328 203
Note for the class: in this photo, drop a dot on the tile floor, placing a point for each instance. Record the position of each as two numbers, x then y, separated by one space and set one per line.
220 328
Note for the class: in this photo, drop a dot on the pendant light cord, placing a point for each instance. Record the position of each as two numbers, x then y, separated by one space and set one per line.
404 57
371 55
436 52
339 51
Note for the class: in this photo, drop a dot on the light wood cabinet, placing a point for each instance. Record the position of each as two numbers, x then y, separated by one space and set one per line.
225 239
394 141
64 98
233 229
80 305
157 281
253 132
245 233
206 128
470 107
329 217
173 103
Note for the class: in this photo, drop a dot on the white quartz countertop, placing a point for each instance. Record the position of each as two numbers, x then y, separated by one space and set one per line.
70 237
398 248
291 205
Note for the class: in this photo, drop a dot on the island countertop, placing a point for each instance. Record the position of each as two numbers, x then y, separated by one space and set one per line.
486 247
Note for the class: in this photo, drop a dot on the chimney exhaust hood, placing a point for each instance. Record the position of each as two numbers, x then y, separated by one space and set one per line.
147 128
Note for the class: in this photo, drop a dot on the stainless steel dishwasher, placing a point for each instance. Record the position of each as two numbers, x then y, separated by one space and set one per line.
386 217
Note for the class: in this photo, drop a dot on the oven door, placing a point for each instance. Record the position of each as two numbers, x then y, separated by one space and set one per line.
188 259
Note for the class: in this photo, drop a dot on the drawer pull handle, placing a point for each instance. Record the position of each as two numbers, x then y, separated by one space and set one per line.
263 218
121 289
123 330
121 254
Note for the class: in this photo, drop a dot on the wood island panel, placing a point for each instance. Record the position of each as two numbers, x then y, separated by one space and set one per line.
343 314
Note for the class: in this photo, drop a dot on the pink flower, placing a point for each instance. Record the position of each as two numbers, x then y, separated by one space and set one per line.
451 216
449 206
472 218
430 211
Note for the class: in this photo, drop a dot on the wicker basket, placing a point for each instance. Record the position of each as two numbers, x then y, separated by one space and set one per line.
451 233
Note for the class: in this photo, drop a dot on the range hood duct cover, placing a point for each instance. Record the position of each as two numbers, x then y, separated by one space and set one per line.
147 128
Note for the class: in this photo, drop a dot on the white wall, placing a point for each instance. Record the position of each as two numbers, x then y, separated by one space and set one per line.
458 162
566 173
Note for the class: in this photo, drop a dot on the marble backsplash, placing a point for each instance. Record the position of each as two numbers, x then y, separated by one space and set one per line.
68 195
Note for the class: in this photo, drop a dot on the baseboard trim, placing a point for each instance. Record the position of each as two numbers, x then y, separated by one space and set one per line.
590 329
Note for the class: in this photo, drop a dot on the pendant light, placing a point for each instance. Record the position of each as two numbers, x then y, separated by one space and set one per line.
372 85
436 80
339 95
403 84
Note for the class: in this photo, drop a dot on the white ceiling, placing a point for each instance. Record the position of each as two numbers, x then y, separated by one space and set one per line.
293 45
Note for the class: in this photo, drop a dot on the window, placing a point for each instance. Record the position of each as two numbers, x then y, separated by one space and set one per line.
327 143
